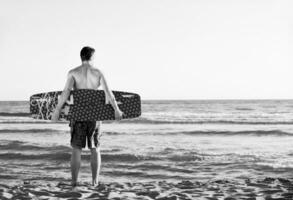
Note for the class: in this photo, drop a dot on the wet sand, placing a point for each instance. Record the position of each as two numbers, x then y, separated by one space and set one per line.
227 189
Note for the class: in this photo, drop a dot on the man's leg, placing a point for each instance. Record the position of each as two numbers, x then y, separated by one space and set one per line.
95 165
75 164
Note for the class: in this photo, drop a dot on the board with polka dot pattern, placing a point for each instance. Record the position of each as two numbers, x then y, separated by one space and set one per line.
85 105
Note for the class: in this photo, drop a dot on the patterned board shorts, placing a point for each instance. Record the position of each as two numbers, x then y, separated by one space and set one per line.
83 132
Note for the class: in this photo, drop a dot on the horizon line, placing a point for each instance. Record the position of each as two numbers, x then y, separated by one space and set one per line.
208 99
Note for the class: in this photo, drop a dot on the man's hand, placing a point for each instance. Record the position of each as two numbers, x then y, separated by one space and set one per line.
118 114
55 115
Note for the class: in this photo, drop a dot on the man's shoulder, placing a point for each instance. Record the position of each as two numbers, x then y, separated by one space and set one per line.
75 69
97 71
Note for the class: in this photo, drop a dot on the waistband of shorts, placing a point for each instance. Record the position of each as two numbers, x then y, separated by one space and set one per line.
72 122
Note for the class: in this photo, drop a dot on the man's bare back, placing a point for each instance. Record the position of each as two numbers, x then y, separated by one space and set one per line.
86 77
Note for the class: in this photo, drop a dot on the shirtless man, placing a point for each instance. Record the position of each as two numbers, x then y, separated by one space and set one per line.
85 77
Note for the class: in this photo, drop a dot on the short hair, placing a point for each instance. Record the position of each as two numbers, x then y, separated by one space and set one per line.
86 53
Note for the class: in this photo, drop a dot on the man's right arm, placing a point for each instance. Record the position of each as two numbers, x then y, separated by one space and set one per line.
109 94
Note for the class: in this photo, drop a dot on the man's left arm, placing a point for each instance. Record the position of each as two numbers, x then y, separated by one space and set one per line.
64 96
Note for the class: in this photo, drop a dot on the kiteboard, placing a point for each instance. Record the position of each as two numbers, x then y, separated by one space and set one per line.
85 105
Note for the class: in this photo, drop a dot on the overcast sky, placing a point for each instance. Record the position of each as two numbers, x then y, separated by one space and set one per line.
197 49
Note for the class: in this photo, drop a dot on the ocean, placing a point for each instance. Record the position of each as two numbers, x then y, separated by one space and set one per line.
172 140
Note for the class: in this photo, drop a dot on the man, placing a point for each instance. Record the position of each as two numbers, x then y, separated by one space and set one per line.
85 76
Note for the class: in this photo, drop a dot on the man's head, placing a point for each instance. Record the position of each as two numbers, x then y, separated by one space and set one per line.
86 53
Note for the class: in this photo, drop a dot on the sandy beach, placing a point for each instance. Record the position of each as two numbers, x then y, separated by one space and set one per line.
268 188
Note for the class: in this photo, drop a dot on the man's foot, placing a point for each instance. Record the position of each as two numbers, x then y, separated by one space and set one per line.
95 183
74 184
